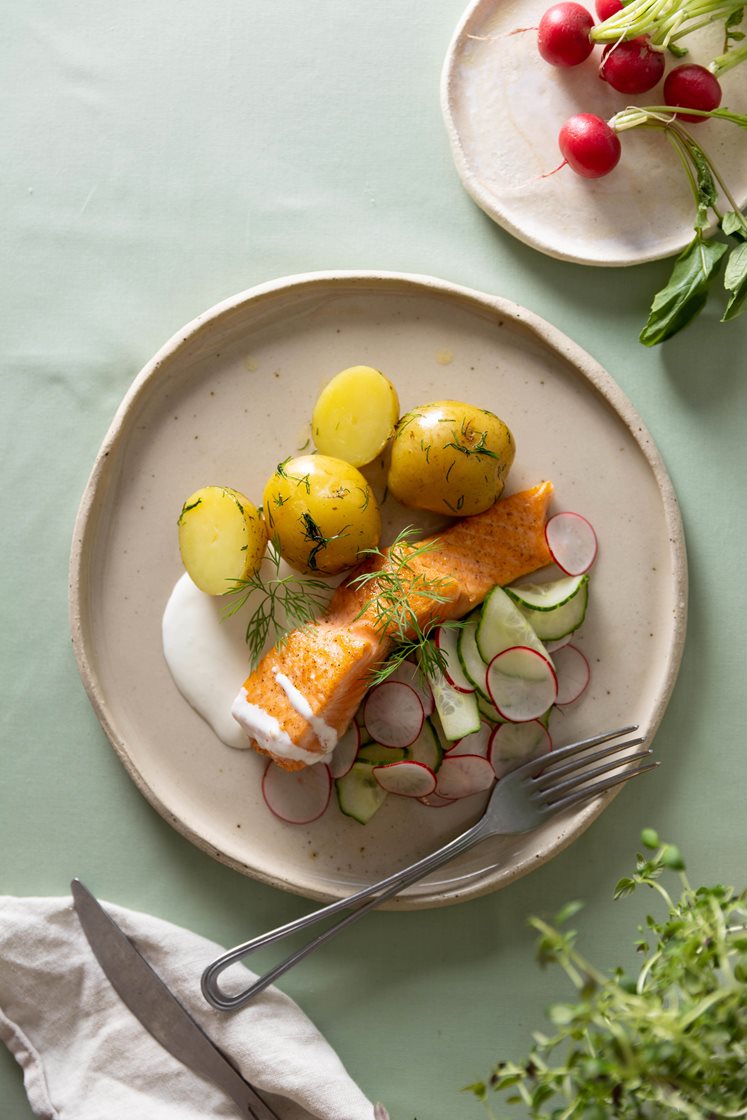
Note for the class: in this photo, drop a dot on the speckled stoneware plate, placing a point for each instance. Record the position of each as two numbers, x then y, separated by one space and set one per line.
225 400
504 105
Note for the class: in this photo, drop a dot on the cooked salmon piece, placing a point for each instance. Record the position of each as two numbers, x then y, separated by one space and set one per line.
306 690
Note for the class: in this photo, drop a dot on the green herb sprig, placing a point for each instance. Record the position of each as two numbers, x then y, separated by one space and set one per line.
281 603
671 1043
390 604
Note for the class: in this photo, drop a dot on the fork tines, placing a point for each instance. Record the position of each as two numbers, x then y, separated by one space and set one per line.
564 779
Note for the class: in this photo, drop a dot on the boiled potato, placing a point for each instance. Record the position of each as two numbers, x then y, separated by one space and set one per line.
450 458
321 512
354 415
222 538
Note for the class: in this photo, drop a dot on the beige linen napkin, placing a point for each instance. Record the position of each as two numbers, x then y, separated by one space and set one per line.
86 1057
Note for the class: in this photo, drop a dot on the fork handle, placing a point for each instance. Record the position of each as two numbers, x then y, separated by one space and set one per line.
375 894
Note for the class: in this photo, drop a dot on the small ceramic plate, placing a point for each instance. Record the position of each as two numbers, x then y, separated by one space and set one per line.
227 399
504 106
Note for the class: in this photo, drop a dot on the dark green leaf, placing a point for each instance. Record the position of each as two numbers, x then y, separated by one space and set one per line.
735 281
707 192
685 294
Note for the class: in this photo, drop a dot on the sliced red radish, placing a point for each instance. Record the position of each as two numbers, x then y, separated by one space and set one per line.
476 743
393 714
408 779
514 743
522 684
297 796
447 638
435 801
346 750
557 643
572 542
408 673
574 674
464 775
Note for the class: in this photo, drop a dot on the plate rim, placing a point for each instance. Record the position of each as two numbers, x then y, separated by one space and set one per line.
533 324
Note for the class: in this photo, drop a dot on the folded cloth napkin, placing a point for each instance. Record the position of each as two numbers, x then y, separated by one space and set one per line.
86 1057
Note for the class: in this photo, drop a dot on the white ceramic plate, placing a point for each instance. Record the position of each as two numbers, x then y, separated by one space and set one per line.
503 107
228 398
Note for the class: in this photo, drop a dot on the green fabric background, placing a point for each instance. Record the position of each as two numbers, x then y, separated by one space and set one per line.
158 157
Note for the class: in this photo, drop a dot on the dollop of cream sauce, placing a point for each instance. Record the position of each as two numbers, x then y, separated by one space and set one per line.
207 657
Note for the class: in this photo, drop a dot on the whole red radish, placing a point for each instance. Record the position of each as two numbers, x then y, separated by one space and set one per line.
632 66
607 8
563 34
589 146
694 87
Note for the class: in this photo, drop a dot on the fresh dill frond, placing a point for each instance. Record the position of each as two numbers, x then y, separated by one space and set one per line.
391 608
283 603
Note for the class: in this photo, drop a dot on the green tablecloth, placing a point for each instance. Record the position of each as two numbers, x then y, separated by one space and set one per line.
159 157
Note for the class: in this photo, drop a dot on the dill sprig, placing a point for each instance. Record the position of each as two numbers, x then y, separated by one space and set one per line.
391 604
297 598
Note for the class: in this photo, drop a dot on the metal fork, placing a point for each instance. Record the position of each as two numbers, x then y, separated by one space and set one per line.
520 801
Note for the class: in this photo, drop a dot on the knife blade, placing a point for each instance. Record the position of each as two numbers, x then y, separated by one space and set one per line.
143 991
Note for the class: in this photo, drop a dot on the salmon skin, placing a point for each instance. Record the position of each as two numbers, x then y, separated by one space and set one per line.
305 691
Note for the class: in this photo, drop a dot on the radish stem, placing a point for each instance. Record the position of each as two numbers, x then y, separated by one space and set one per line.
663 21
727 60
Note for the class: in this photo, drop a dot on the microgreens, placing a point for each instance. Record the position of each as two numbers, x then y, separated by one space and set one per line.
671 1042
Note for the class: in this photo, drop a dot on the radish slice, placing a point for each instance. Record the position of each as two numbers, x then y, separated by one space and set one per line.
514 743
572 542
476 743
554 646
408 673
346 750
522 684
573 672
408 779
464 775
297 796
393 714
447 638
435 801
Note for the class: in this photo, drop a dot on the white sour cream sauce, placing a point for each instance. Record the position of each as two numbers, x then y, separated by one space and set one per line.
207 657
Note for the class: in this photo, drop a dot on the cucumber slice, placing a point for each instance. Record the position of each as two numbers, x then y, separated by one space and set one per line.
489 711
503 626
456 710
547 596
426 748
359 795
376 755
472 663
553 623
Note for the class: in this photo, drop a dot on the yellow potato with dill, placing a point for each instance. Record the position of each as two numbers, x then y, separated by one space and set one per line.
355 414
451 458
321 512
222 538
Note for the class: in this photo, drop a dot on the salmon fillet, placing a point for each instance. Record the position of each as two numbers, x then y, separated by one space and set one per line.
306 690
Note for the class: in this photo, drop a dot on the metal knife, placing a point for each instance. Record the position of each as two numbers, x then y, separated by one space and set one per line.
157 1009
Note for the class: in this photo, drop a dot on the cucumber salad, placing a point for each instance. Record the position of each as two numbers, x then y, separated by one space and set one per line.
440 737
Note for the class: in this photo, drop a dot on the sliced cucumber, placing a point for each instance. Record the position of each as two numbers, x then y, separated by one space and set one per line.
456 710
553 622
503 626
488 711
472 663
547 596
359 795
376 755
426 748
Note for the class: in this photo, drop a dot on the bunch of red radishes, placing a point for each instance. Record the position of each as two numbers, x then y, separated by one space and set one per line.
589 145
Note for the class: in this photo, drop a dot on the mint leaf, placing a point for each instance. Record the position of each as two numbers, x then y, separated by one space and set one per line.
734 225
685 294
